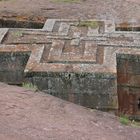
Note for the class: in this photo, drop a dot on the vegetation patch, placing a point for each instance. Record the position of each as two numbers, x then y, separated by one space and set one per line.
126 121
18 34
92 24
30 86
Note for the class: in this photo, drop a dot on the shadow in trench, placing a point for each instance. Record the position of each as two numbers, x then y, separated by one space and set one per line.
7 23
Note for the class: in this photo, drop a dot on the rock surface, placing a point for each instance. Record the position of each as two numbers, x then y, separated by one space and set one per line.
29 115
118 10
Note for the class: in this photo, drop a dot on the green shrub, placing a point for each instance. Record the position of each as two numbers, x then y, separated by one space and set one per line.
92 24
124 120
29 86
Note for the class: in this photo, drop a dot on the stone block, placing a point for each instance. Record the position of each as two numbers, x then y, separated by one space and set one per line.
81 63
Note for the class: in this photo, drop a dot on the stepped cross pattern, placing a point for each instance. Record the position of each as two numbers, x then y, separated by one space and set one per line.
70 47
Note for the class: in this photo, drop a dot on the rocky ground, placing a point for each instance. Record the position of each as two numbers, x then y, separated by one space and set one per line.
29 115
118 10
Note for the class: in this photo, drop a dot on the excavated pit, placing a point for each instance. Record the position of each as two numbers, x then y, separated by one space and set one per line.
128 79
139 104
9 23
131 27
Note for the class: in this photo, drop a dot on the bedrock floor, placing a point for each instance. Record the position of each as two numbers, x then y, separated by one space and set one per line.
26 114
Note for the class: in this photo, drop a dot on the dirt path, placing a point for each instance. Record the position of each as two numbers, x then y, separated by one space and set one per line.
118 10
25 114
